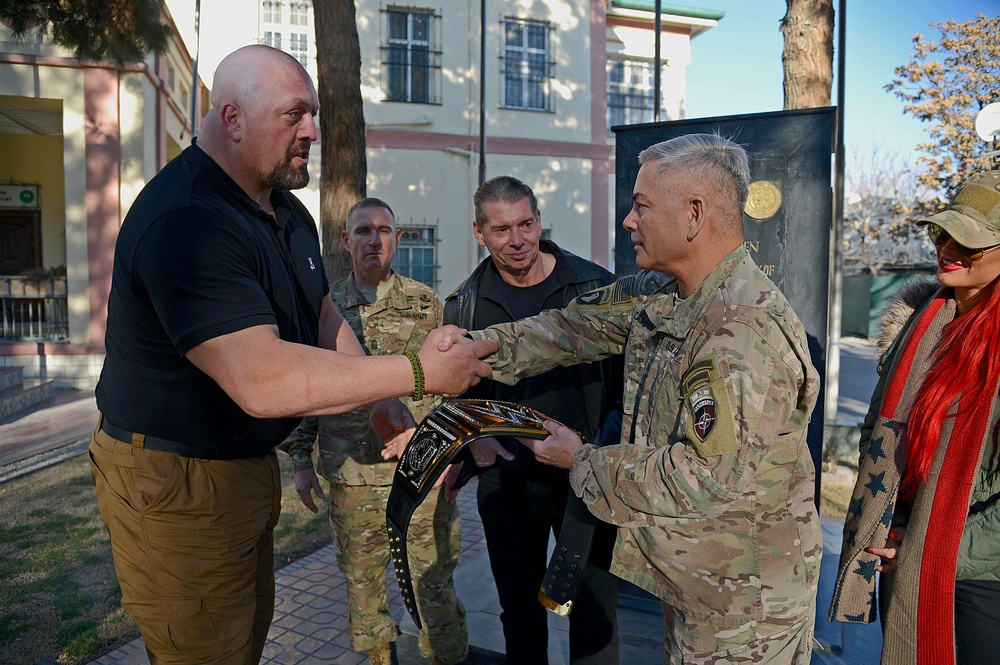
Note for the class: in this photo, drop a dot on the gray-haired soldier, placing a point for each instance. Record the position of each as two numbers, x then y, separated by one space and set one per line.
713 484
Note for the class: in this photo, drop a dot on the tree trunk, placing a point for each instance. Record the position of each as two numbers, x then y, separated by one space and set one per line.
808 56
342 126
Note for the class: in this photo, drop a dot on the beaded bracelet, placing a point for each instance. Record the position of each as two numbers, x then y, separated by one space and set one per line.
418 375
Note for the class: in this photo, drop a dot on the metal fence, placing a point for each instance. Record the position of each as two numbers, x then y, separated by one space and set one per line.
33 310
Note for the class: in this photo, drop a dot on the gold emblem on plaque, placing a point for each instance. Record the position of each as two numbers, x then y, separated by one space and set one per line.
764 199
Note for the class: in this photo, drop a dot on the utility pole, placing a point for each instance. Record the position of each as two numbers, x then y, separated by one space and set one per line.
194 71
657 27
837 232
482 91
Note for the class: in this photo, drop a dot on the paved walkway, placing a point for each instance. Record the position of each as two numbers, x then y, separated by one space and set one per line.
310 623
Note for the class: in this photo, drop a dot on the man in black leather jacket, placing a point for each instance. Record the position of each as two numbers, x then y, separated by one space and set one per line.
520 499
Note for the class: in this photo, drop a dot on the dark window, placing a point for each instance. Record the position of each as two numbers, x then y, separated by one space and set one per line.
273 39
527 65
416 254
298 46
411 59
630 91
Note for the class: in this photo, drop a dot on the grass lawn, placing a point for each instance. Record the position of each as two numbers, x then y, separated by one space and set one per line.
59 597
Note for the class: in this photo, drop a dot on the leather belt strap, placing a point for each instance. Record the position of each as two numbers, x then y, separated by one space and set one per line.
443 435
164 445
565 572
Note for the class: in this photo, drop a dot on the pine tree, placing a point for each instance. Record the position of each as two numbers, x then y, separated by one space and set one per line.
120 31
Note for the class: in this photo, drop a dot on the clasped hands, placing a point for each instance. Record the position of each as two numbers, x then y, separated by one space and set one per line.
555 450
452 362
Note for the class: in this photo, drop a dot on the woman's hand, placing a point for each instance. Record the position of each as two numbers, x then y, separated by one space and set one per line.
889 553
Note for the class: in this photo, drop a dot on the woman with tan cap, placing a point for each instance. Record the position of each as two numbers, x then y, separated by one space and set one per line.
925 511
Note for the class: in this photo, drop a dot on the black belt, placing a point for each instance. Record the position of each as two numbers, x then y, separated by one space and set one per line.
441 437
163 445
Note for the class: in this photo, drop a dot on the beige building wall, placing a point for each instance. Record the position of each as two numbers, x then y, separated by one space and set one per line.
107 131
433 164
424 157
41 160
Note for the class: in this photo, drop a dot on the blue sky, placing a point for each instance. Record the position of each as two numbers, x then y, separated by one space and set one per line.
736 66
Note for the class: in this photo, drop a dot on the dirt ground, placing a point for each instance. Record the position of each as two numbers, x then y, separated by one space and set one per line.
58 594
59 597
837 485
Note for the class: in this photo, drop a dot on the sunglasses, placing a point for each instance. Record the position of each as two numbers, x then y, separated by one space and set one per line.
940 238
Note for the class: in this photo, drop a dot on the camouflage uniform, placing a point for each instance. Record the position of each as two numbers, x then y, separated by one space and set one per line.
350 455
716 488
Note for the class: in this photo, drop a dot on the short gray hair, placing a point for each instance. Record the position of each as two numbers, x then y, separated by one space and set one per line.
503 188
716 158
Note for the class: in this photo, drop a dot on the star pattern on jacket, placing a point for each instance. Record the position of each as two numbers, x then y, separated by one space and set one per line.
887 514
866 569
875 449
896 426
875 484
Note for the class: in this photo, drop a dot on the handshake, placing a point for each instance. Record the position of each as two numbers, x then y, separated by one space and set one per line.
450 362
447 363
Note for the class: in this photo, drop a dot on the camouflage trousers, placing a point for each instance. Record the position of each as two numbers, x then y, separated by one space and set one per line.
695 641
361 543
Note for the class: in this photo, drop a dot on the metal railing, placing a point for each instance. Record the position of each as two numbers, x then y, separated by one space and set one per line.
33 310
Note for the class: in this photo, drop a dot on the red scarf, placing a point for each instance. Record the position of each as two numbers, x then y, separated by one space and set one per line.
952 487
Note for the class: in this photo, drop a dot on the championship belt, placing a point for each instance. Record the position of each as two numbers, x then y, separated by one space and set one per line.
439 440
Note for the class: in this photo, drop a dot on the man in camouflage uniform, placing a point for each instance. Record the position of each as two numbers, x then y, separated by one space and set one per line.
389 314
712 483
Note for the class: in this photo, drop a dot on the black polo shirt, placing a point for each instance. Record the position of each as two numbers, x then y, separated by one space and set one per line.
195 259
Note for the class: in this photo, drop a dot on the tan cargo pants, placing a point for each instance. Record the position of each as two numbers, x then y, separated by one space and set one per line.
193 549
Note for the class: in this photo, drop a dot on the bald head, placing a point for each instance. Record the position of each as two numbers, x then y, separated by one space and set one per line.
262 121
242 76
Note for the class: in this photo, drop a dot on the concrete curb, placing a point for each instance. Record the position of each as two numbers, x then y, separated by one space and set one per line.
42 460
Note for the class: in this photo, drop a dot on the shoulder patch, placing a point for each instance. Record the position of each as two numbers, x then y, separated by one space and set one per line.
710 425
620 291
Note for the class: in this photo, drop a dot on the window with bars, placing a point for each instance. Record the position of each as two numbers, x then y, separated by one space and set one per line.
298 46
272 11
273 39
527 65
411 56
298 12
416 254
630 91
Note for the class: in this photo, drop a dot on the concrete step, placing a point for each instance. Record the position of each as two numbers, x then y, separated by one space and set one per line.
21 397
11 377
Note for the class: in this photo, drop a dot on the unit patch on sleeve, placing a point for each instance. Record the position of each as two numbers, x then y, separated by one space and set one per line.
710 424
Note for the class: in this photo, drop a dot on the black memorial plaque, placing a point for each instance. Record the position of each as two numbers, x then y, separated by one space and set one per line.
791 201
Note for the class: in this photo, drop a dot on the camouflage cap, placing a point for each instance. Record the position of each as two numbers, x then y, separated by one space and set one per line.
973 217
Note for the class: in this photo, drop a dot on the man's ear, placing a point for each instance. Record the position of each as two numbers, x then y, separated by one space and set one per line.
479 234
696 217
232 120
343 239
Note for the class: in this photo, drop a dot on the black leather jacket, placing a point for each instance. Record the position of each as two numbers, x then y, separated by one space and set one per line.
600 383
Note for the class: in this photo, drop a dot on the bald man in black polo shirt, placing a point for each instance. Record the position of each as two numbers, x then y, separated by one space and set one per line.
218 304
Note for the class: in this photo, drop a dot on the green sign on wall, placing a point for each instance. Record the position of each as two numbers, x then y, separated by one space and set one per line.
18 196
